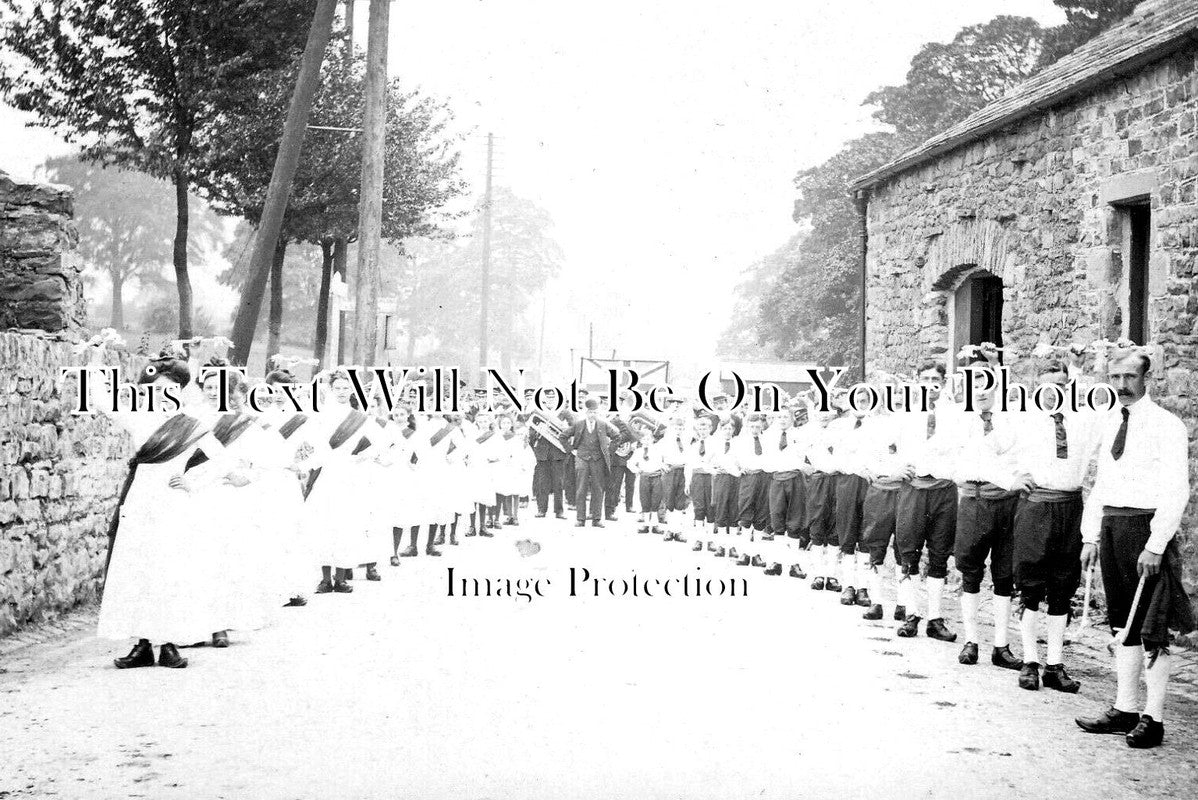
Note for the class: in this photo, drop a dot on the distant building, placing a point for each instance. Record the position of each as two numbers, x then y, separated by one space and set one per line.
1064 211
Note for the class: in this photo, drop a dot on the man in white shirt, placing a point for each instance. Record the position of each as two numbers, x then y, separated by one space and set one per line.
850 448
787 456
884 466
820 497
926 508
1128 524
698 480
753 511
674 449
1054 450
725 475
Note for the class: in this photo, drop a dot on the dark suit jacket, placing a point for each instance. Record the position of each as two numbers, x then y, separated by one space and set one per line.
542 449
606 433
625 436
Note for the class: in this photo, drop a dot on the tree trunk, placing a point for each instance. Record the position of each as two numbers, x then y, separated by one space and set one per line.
118 303
279 191
275 325
182 279
322 301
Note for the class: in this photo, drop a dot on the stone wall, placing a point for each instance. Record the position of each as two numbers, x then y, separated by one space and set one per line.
40 285
1038 206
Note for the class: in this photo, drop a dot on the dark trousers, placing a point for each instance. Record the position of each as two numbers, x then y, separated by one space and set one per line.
926 517
673 489
1048 548
547 480
986 528
850 496
650 492
700 493
786 505
569 479
879 513
725 491
1120 543
590 476
753 501
621 476
821 508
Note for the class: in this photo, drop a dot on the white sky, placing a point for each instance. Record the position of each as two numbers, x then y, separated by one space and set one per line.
662 137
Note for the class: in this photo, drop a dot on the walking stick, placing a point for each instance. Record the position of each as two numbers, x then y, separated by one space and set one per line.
1121 636
1086 600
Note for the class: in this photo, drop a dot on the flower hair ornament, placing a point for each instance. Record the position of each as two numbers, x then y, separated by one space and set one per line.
105 339
983 350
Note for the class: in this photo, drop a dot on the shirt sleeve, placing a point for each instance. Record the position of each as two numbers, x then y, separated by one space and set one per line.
1174 483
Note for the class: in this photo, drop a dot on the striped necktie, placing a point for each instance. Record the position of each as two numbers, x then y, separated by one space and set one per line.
1062 442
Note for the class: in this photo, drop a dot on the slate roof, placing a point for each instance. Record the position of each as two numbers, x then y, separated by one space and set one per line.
1153 31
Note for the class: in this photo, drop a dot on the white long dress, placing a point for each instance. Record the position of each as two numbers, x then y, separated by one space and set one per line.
339 509
164 581
286 463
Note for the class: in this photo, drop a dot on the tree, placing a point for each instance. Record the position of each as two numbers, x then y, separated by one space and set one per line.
1084 19
122 232
948 82
421 166
144 84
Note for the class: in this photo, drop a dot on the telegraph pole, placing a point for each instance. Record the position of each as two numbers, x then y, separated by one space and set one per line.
486 287
370 209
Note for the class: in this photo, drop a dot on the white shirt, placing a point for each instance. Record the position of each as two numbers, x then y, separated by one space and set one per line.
1036 455
1153 471
674 449
877 446
929 455
746 452
982 456
821 441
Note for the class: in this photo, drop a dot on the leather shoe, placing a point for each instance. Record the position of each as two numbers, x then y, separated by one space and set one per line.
324 587
540 515
1003 657
1110 721
720 552
757 561
220 639
774 569
743 562
296 602
559 516
341 587
910 627
732 553
848 597
697 548
409 552
429 551
596 524
142 655
372 574
395 559
1029 676
610 518
900 613
938 630
486 534
580 524
1055 677
818 584
796 571
1147 733
969 654
875 612
168 656
832 585
643 529
863 598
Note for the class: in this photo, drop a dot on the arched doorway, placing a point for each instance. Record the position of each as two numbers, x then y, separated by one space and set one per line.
977 310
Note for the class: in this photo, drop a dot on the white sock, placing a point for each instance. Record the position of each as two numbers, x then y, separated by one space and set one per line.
1029 625
1129 662
935 592
874 581
1056 638
1157 678
906 594
821 561
970 603
1002 620
864 574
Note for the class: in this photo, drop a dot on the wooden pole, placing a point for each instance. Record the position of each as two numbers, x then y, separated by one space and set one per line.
279 192
486 287
370 209
349 31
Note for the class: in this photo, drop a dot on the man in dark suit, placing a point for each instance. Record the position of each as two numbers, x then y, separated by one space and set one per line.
590 441
620 475
547 475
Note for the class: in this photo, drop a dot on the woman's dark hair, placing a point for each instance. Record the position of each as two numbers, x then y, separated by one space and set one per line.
936 365
236 380
167 365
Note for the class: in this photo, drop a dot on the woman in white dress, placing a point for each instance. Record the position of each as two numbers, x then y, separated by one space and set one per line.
406 488
508 475
490 452
160 575
338 511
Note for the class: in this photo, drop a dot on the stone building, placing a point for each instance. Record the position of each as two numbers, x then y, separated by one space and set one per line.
1063 212
59 473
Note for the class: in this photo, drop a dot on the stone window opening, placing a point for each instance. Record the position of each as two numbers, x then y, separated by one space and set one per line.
1135 225
975 309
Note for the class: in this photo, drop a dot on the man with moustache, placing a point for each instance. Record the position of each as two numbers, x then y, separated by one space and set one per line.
1128 526
622 445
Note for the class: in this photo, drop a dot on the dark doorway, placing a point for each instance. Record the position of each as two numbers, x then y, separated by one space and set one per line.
978 311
